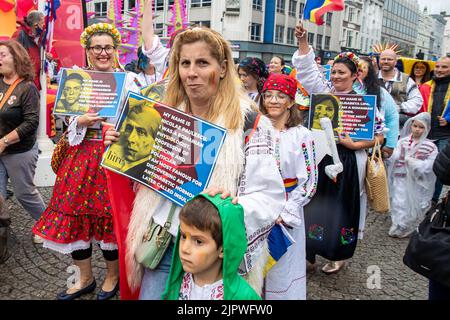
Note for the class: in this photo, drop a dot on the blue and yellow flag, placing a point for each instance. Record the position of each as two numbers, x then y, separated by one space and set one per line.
315 9
279 241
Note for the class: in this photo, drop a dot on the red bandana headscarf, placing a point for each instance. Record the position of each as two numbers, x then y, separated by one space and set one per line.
283 83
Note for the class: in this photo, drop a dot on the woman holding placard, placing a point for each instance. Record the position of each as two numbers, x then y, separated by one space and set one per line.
335 217
79 212
203 83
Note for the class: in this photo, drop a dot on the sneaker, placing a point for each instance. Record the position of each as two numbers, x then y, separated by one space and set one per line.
392 230
37 239
403 232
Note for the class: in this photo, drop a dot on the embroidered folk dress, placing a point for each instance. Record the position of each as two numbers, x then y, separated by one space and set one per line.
335 218
79 211
287 278
190 291
412 181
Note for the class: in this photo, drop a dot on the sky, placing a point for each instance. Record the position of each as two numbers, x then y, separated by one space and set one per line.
435 6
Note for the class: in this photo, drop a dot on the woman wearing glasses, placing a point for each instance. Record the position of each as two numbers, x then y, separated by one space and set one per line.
79 212
286 280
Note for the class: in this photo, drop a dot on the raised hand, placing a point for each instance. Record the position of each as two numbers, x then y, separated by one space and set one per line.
301 34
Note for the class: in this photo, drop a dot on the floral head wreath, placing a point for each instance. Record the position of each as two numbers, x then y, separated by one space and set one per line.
102 28
351 56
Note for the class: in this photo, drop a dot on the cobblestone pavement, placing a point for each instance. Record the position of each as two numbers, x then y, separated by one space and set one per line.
33 272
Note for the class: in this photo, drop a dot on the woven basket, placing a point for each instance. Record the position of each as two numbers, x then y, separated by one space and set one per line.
60 152
376 182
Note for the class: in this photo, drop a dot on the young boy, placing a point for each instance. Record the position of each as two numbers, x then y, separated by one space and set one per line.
210 246
412 178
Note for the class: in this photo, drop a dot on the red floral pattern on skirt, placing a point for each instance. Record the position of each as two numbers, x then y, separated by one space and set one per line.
79 208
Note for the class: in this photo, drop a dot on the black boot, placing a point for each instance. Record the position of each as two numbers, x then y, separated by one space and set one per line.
4 253
5 221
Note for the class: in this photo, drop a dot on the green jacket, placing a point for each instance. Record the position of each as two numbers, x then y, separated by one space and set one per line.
234 247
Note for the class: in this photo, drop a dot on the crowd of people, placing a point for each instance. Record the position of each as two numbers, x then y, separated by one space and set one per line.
266 174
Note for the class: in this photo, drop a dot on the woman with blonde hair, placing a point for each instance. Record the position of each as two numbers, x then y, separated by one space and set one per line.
203 83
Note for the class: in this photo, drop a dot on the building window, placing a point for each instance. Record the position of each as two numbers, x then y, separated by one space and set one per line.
319 41
279 33
327 42
281 6
301 10
204 23
310 38
131 4
292 7
290 36
255 32
159 29
349 38
329 16
159 5
200 3
257 5
101 9
350 14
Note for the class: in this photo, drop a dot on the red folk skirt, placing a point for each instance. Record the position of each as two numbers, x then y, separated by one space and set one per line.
80 208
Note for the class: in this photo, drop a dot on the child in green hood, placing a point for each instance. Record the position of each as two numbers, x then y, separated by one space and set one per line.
210 246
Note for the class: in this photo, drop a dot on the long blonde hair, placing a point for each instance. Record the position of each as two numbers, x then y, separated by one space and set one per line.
226 103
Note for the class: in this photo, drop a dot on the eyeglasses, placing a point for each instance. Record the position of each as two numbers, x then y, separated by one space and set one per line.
99 49
278 97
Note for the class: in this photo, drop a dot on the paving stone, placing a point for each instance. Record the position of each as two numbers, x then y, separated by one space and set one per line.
33 272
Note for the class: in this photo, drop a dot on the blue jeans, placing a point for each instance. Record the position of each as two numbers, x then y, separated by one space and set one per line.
441 143
154 281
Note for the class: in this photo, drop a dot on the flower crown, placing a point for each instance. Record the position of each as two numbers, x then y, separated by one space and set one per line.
349 55
100 28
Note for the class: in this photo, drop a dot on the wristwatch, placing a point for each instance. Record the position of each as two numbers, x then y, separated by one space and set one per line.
6 141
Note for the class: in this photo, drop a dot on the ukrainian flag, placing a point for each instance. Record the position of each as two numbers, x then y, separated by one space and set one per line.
279 241
315 9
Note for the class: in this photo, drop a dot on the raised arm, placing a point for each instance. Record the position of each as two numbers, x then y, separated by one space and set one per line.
147 24
301 34
308 73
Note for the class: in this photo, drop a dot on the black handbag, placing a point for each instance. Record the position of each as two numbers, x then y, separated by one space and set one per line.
428 251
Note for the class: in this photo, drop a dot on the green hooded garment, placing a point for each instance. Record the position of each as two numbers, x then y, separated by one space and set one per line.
234 247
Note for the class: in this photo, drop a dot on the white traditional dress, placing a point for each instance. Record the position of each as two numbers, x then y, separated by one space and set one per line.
287 278
412 179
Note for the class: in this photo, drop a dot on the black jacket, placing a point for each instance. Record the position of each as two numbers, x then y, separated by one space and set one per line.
441 166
